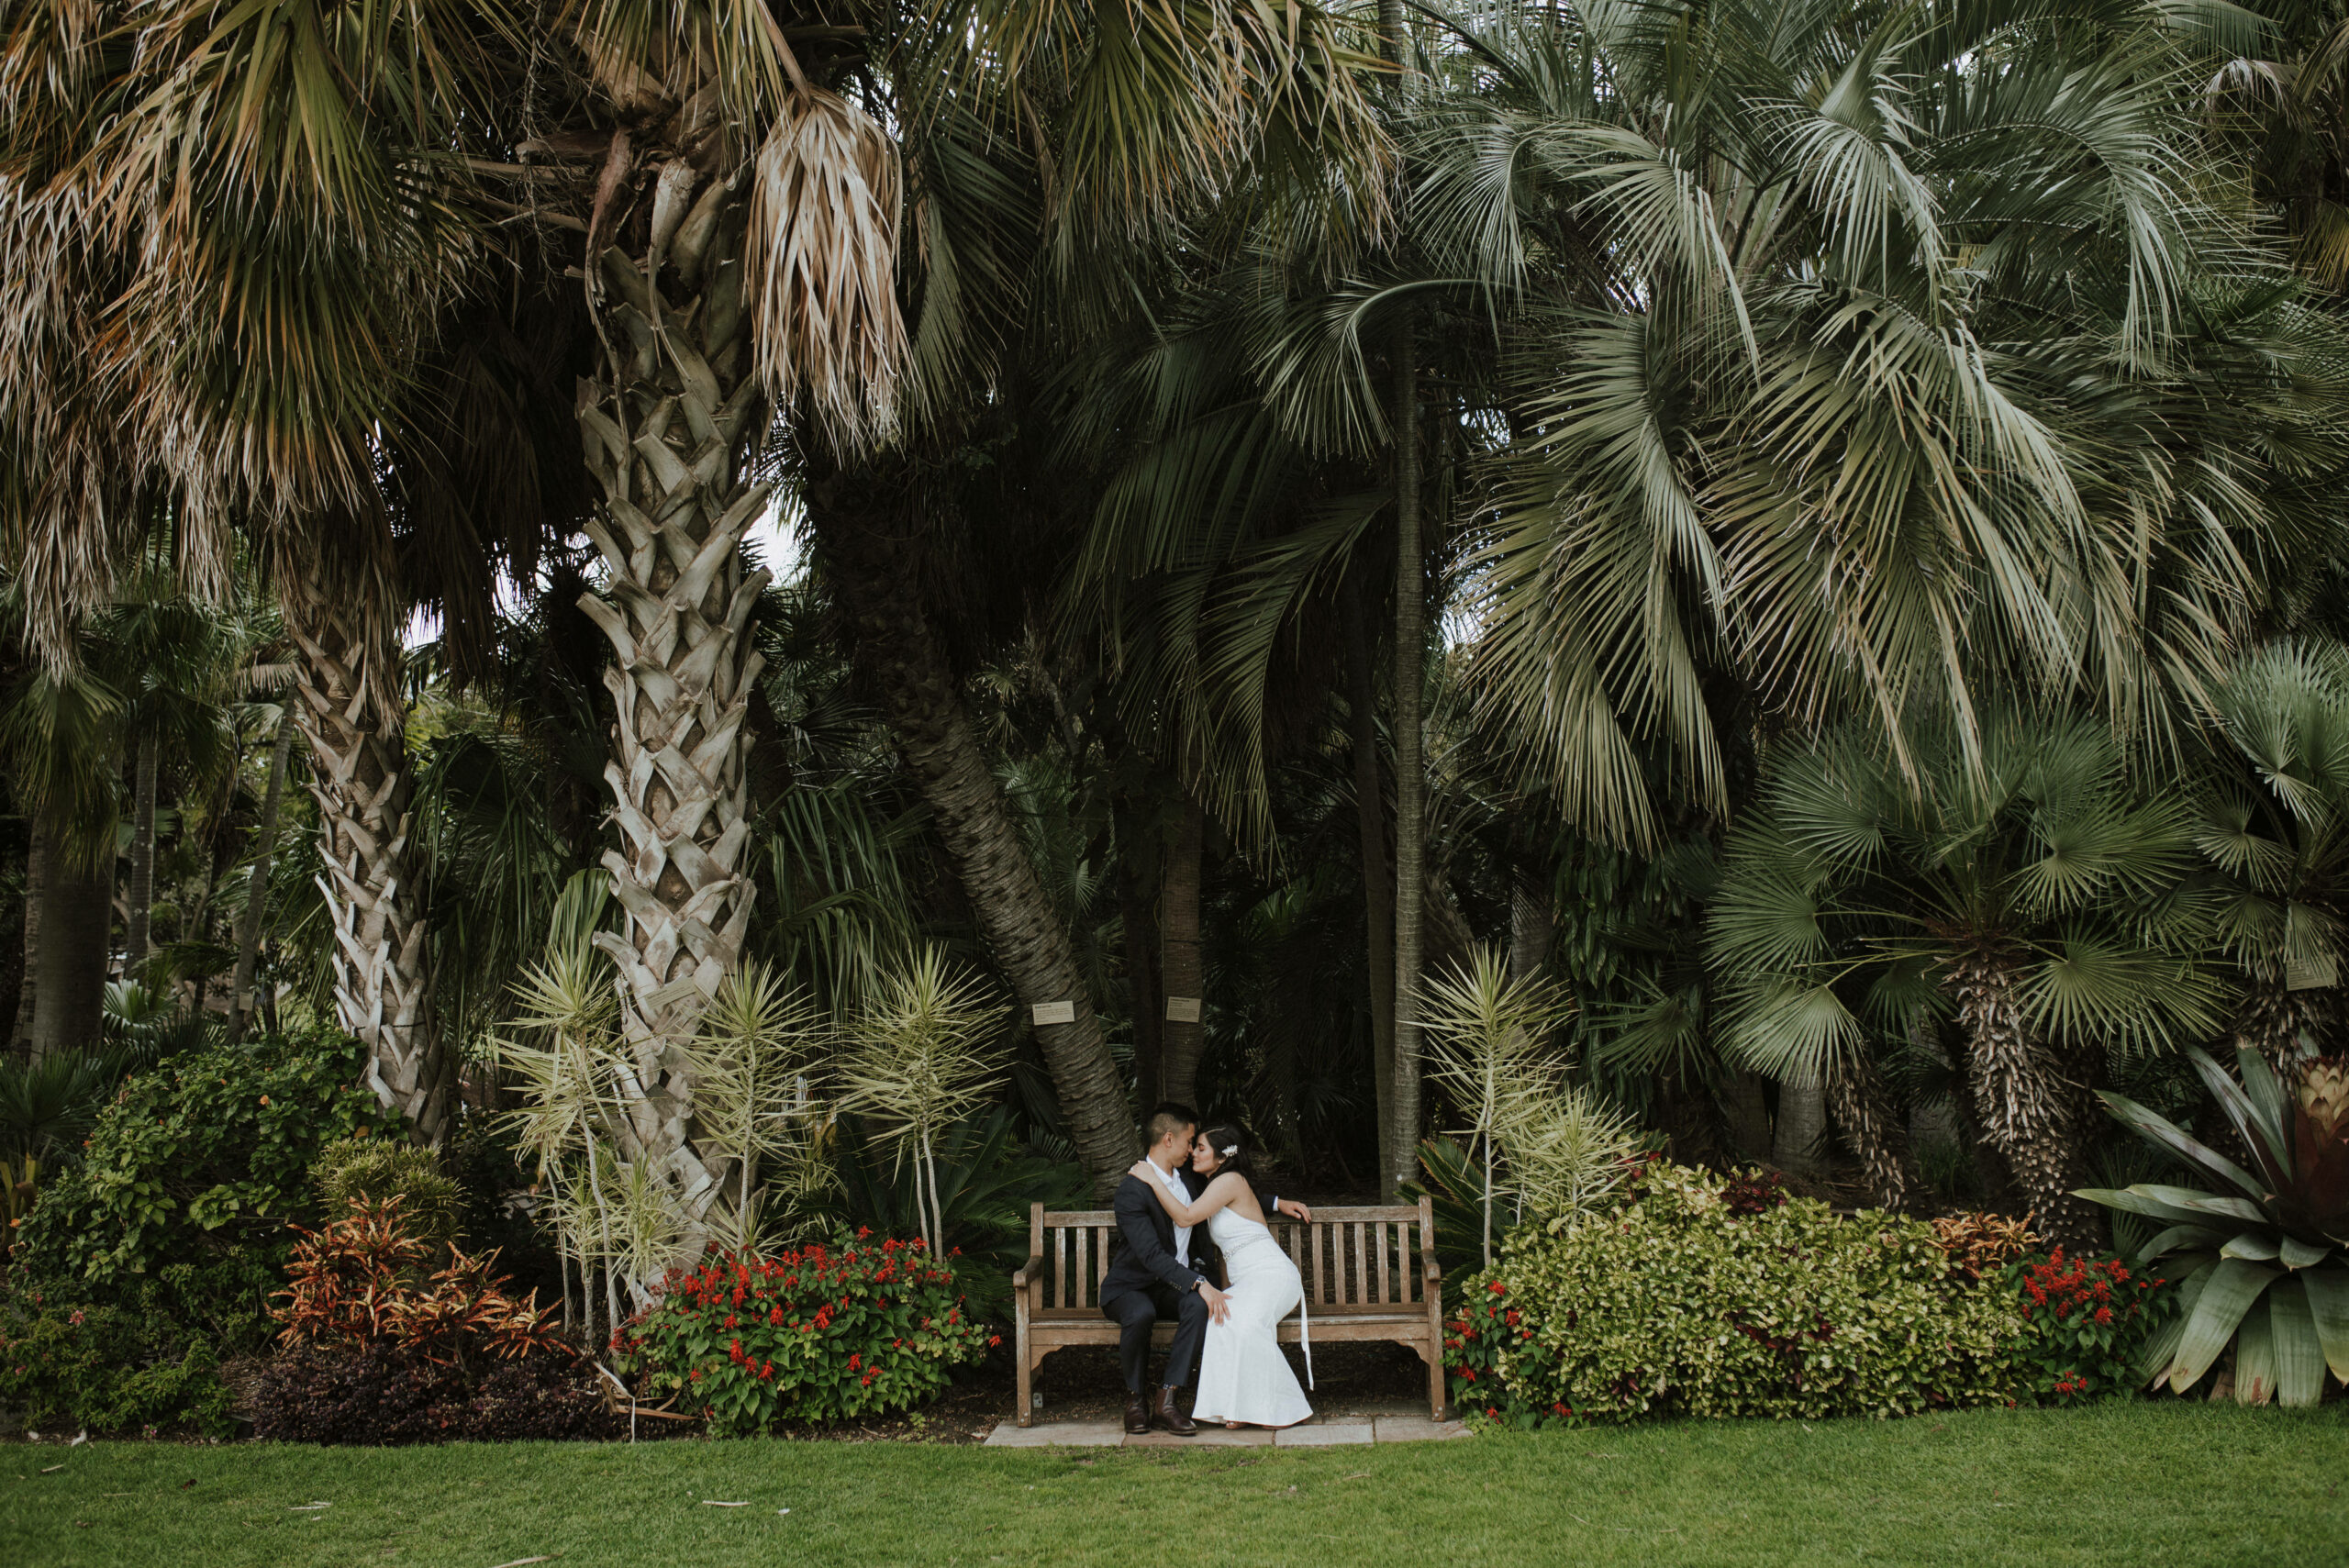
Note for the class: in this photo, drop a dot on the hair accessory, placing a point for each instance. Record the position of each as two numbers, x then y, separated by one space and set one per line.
1229 1149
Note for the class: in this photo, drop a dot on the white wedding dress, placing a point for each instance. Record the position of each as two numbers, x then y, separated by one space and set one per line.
1242 1375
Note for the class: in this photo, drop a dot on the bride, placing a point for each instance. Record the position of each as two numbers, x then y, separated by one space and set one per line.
1243 1377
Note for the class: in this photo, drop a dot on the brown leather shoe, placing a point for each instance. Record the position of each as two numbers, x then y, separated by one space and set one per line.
1169 1416
1136 1414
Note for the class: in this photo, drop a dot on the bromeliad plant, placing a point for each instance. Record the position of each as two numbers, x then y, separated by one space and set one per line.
2261 1261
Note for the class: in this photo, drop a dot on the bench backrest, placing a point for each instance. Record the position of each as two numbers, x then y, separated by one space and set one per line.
1352 1260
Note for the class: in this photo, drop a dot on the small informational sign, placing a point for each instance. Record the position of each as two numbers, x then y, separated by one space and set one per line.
1182 1009
1055 1013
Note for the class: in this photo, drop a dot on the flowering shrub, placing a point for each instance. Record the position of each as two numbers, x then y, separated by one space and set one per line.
144 1359
814 1334
1474 1341
2085 1321
1675 1303
209 1153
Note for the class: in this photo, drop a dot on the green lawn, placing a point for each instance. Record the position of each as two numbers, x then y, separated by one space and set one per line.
2164 1485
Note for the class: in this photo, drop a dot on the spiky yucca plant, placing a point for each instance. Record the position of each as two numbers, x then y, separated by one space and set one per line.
1549 1145
918 1062
597 1143
2263 1261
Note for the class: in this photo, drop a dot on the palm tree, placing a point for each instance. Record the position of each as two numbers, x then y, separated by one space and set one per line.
260 206
2273 824
1784 317
2026 891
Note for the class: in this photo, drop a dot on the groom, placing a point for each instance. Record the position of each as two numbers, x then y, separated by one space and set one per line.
1151 1275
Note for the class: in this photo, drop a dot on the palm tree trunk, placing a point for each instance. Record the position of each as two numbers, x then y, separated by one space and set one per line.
40 852
1138 919
1377 878
1860 1102
141 901
867 526
2022 1103
249 924
666 424
360 778
1411 775
69 970
1802 1122
1181 968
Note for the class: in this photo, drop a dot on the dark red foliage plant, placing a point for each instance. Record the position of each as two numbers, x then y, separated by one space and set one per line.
379 1351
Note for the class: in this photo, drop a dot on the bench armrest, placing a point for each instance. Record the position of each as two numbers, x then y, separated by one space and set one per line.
1031 1270
1433 1269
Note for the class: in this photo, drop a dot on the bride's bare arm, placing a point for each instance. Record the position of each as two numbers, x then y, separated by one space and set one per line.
1219 1193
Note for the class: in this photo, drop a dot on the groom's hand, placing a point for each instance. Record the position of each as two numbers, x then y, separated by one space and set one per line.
1217 1308
1294 1211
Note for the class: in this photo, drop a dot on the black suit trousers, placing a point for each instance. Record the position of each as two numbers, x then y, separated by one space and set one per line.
1134 1308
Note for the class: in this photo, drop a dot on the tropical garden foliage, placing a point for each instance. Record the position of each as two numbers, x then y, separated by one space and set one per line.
649 639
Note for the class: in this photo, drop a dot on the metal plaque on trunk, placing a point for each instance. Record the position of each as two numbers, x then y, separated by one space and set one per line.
1054 1012
1182 1009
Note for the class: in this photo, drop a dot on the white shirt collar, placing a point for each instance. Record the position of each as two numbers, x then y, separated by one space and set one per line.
1182 1232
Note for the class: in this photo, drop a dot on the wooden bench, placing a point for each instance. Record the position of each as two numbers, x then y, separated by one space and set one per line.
1370 1274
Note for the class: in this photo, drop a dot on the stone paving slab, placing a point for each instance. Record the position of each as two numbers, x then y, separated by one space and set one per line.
1207 1437
1325 1434
1331 1433
1072 1434
1416 1429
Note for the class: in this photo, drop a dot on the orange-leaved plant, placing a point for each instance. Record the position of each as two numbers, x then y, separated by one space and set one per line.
360 1281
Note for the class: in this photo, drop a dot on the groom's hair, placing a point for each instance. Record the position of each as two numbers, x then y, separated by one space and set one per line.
1168 1117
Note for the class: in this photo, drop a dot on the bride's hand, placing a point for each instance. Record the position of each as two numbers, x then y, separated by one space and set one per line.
1140 1169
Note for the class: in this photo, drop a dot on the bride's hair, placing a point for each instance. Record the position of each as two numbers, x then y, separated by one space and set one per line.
1233 1147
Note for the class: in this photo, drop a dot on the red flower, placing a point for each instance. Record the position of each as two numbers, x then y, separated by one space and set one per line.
1497 1287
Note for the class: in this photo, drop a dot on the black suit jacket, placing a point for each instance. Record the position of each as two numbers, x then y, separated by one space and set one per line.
1145 1250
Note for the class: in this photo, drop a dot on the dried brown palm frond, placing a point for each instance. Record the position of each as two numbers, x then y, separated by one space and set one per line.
821 252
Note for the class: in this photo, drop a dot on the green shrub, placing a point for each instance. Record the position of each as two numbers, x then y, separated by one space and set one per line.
146 1360
1679 1304
812 1334
209 1153
374 1170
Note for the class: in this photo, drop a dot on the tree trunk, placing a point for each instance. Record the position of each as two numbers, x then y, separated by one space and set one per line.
1137 911
1182 972
1802 1123
1746 1115
1861 1104
359 776
2025 1107
868 524
40 850
1411 775
1378 877
665 426
140 906
70 968
249 924
2273 1019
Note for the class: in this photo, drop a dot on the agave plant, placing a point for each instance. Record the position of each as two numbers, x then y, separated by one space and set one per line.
2263 1262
